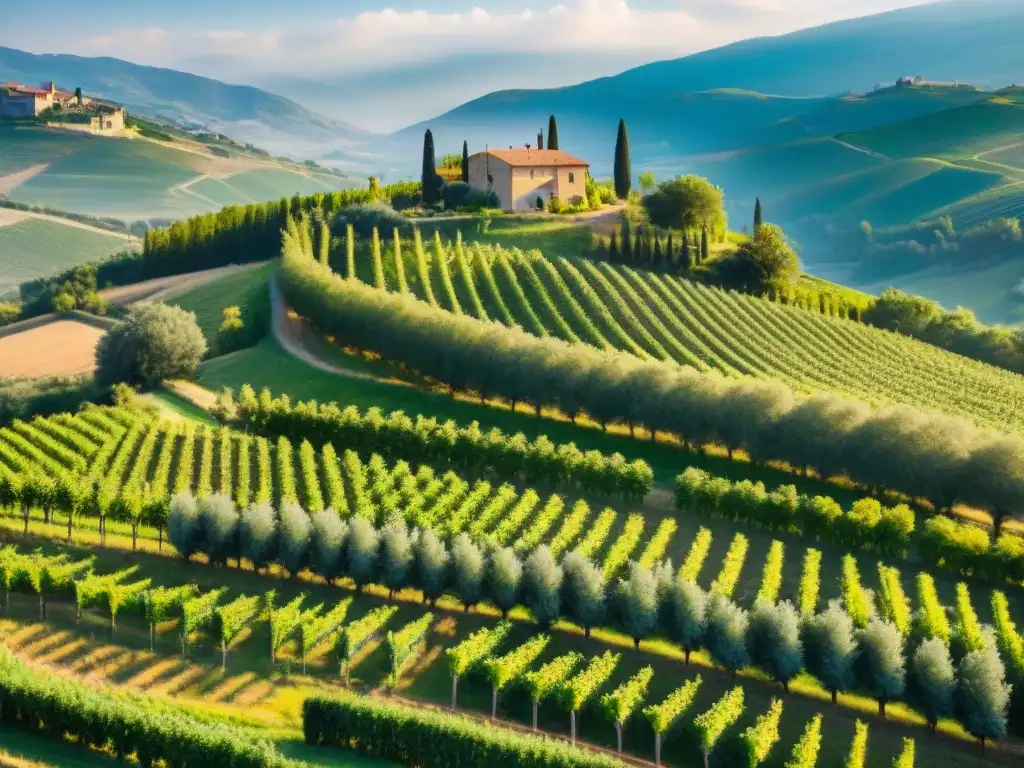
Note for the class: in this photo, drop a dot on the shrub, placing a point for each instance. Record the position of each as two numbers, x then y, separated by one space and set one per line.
431 739
366 217
154 342
125 724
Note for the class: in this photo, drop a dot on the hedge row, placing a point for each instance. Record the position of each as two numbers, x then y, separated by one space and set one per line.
127 725
867 524
427 440
431 739
928 455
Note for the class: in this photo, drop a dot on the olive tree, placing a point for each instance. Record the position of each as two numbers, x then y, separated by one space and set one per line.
765 263
154 342
328 543
583 591
258 534
504 579
637 602
880 665
397 555
689 203
432 564
931 681
773 638
726 633
468 570
688 615
983 695
831 648
183 525
542 584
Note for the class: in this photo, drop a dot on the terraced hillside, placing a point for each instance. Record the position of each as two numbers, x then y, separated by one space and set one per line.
663 317
135 456
132 179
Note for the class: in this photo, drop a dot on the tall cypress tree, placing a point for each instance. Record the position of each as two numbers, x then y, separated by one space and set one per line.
613 247
757 215
465 161
627 242
685 260
623 168
540 139
670 257
704 244
431 189
552 133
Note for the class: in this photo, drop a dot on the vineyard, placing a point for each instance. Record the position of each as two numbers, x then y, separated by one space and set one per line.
662 317
330 512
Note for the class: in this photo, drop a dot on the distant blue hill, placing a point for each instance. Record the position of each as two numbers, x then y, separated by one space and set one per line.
681 107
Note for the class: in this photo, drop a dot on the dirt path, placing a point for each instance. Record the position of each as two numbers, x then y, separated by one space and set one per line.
289 330
163 288
12 181
862 150
13 216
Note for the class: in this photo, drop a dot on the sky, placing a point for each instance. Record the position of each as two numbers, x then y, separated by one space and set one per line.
383 65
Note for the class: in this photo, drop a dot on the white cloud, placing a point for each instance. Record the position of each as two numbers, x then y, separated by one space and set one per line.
388 37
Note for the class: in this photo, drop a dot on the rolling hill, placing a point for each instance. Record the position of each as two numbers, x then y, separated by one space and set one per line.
140 178
269 121
679 107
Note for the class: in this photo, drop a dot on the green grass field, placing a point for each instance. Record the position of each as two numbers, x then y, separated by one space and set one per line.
246 289
136 179
955 133
267 365
33 248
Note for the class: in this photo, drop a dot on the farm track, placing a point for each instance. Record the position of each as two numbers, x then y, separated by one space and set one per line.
164 288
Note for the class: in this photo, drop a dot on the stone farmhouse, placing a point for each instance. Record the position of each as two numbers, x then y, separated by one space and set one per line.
520 177
70 111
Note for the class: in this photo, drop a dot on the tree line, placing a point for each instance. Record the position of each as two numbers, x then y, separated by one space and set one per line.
125 725
845 650
927 455
424 439
890 531
237 234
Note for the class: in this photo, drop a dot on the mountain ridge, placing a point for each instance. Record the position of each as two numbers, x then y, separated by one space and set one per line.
268 120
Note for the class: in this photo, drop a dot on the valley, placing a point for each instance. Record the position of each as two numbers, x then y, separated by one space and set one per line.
618 447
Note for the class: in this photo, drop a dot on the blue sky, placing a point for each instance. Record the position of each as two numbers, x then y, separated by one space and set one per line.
385 64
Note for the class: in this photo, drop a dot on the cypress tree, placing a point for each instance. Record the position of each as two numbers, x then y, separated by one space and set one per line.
431 191
552 133
613 247
656 258
670 257
685 261
757 215
623 169
704 244
465 161
540 140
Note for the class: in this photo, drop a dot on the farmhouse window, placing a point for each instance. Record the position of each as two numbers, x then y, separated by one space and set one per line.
572 178
531 173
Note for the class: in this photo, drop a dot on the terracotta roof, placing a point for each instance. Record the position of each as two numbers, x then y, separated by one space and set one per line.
34 91
536 158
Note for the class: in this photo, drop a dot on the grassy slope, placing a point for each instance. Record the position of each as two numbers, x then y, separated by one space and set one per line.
259 689
34 248
267 365
245 289
137 179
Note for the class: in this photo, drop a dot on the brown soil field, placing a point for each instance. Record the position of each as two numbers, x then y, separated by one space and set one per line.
62 348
